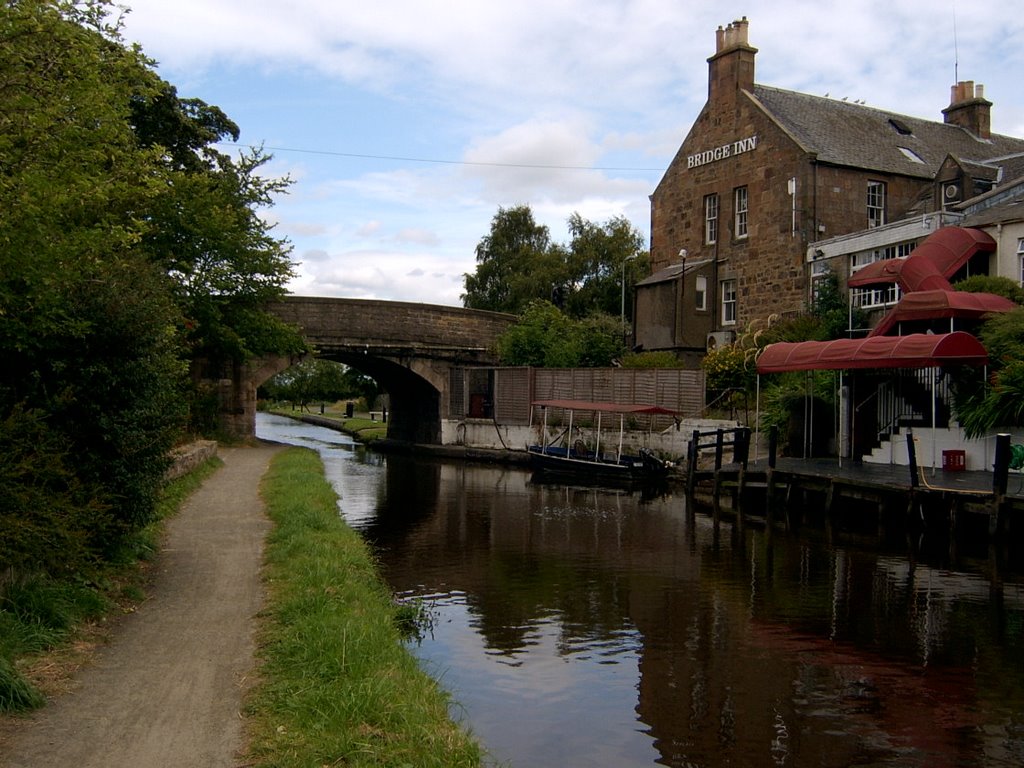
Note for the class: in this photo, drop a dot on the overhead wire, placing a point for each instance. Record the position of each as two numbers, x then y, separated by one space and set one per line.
438 161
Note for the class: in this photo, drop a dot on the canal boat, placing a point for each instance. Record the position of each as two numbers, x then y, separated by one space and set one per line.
583 453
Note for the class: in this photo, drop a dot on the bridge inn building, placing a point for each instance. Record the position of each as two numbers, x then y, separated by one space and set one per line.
764 174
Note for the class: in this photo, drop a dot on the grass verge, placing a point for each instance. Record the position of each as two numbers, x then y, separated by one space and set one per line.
337 686
48 627
363 430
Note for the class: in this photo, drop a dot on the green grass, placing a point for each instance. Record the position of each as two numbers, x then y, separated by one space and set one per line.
363 430
39 614
337 686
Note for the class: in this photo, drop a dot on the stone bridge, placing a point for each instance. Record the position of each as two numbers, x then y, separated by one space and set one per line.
408 348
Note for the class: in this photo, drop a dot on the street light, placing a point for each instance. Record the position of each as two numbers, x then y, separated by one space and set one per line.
623 312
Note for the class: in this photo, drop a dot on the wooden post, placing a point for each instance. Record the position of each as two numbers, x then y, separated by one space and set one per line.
692 454
912 454
719 447
740 454
1000 476
915 479
741 445
1001 467
773 447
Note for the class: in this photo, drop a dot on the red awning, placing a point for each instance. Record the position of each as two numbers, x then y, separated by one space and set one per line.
931 264
877 273
584 405
918 350
928 305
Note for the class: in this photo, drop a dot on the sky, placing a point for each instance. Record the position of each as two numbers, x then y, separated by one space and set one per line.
405 125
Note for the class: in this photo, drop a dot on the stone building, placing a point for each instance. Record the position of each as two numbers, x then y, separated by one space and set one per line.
764 173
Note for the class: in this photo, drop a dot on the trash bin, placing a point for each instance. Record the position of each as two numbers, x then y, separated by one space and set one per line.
954 461
350 408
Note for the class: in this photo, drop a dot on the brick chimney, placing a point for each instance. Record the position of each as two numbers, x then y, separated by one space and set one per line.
969 109
731 69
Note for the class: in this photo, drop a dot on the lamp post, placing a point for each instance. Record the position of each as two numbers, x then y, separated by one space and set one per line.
623 311
680 307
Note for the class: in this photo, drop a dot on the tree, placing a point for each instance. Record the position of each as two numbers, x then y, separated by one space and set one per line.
545 337
599 256
831 311
517 263
127 243
1000 286
999 402
88 326
311 380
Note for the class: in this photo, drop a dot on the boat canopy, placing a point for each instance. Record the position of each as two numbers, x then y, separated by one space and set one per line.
585 405
917 350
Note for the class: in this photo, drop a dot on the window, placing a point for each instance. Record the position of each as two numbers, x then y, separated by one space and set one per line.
710 219
873 298
1020 255
876 204
728 302
700 293
740 206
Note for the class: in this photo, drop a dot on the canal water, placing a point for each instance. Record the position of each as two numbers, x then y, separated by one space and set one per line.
584 627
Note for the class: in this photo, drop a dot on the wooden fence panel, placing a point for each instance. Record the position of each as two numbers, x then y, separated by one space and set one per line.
511 390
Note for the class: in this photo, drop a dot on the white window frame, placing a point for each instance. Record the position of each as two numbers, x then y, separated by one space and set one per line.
876 204
700 293
710 219
1020 257
875 298
741 202
729 302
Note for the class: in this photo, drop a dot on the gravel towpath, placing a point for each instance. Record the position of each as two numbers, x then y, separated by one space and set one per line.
167 690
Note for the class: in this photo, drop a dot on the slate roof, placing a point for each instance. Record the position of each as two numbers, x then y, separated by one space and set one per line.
1000 205
673 271
849 134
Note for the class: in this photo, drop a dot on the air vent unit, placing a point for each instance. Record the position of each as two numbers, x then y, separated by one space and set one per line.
719 338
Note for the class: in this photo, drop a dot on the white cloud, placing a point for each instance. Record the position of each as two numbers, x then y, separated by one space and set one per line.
517 92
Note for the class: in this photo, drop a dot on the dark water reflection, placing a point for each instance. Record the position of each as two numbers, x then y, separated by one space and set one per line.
578 627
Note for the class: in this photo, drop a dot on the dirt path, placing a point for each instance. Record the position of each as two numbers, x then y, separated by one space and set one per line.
167 691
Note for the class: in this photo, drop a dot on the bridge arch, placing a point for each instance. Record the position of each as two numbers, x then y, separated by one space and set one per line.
415 389
408 348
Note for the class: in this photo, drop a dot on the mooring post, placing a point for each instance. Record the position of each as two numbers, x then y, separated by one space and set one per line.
719 447
914 478
692 452
912 454
773 447
740 455
1000 477
741 445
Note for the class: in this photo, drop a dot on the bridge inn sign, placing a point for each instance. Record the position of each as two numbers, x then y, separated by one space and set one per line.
720 153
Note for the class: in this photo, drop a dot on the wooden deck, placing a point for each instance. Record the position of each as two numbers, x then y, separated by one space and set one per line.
858 495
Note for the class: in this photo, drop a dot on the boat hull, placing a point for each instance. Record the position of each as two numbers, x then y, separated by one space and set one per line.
559 461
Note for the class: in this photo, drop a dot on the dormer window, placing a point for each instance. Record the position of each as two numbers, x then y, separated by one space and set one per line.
911 155
900 127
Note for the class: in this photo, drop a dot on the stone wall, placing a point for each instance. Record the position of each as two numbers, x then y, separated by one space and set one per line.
391 323
186 458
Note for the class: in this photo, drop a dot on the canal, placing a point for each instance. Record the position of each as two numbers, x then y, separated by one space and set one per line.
584 627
